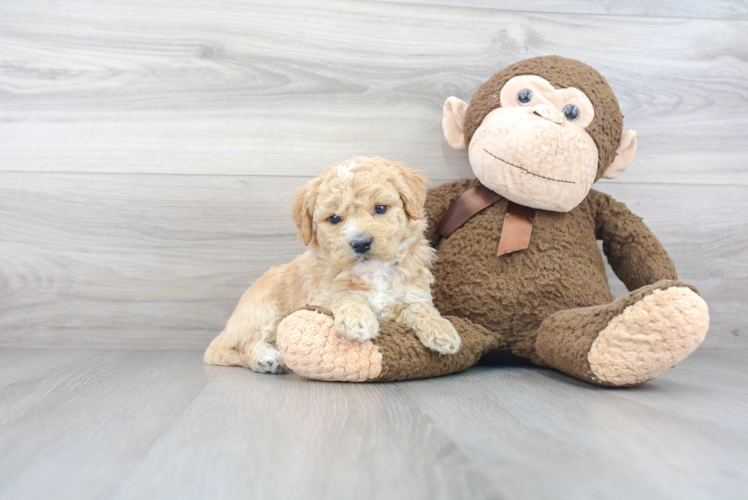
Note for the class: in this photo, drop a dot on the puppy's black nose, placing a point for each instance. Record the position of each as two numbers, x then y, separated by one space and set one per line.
362 244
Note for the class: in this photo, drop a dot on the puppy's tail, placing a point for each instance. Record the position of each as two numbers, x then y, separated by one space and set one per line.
218 353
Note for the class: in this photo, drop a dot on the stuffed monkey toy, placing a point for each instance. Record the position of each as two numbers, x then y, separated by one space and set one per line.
518 267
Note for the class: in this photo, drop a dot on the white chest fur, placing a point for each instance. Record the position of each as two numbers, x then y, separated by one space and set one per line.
387 290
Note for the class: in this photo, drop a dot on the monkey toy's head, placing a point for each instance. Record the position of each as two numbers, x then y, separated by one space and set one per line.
541 131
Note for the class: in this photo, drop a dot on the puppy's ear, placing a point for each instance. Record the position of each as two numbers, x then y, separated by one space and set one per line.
412 189
302 209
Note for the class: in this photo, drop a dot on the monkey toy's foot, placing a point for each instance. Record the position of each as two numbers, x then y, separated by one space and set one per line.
313 348
650 337
632 340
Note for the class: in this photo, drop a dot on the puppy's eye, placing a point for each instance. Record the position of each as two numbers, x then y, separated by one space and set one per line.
571 112
380 209
334 219
524 96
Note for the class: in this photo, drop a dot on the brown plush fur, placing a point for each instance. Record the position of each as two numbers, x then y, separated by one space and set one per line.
563 341
580 328
561 269
316 350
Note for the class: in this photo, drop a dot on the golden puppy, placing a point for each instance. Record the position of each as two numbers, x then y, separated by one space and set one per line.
367 261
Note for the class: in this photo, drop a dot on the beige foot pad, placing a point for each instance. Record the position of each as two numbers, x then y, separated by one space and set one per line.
312 347
649 337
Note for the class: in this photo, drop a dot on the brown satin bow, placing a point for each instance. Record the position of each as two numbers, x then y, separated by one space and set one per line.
517 228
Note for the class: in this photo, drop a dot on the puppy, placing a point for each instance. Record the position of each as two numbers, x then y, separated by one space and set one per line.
367 261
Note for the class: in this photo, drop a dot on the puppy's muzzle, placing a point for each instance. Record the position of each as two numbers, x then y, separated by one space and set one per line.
361 244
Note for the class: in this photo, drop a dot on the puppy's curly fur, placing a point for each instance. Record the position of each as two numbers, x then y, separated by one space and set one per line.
367 261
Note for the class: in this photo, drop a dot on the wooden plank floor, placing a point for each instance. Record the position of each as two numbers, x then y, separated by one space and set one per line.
116 424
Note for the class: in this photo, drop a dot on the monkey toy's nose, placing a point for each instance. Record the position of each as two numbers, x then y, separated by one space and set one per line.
550 114
361 244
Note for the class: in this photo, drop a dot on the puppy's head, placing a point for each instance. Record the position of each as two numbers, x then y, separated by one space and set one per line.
361 209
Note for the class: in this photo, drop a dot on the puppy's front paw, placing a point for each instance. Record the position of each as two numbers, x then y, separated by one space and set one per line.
357 324
439 335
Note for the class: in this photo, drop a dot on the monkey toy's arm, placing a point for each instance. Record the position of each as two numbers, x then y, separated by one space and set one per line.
635 254
439 199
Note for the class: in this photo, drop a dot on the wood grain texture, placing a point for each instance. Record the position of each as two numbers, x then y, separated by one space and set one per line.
161 261
148 150
713 9
127 424
285 88
135 259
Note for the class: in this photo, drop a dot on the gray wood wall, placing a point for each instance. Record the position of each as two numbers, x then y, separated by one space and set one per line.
148 149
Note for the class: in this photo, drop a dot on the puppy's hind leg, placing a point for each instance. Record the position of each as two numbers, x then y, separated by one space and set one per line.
249 337
218 353
265 358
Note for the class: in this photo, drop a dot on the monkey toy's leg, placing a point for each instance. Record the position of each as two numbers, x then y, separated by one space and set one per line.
312 347
633 339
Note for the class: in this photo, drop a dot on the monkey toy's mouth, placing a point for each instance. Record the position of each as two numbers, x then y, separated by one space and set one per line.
527 171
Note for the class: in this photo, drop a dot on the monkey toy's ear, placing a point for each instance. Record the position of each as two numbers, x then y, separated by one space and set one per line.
453 122
624 155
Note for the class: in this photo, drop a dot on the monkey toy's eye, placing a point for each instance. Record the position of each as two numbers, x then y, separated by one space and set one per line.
524 96
380 209
571 112
334 219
